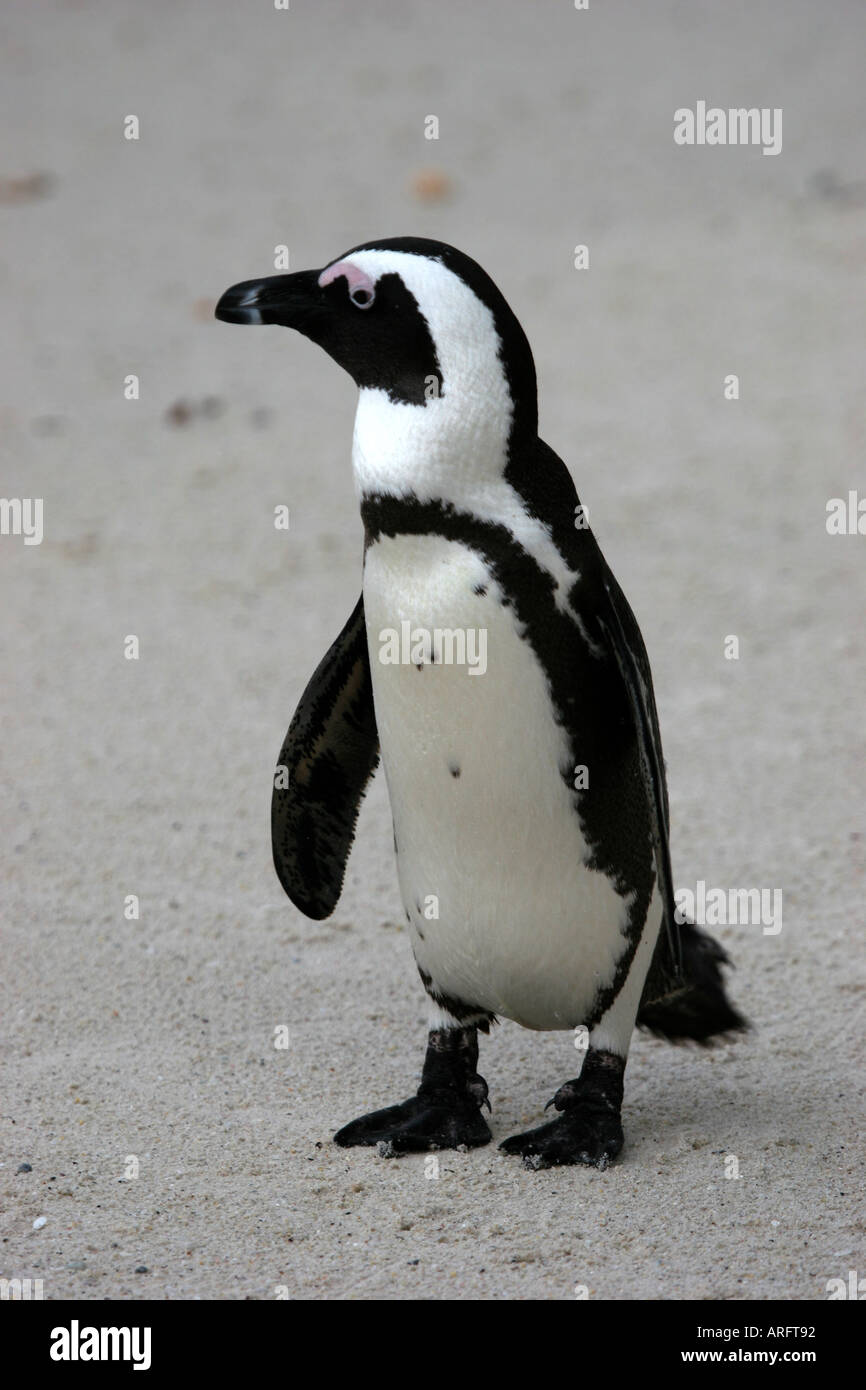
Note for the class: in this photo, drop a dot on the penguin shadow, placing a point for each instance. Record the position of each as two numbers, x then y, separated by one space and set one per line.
718 1114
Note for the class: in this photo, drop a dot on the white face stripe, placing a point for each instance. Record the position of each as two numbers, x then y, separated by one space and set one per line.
475 401
453 449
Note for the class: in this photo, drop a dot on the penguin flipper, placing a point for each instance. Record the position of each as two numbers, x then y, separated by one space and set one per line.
329 755
623 634
684 993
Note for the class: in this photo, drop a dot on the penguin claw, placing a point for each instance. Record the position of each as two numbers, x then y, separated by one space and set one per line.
570 1139
415 1126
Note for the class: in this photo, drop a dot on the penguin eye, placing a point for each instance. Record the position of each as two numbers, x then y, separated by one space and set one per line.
361 297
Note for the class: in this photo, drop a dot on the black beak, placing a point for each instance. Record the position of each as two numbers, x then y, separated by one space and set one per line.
285 299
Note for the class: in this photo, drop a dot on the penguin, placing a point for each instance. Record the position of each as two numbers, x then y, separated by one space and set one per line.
494 665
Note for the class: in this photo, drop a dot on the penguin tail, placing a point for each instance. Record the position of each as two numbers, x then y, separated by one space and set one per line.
693 1007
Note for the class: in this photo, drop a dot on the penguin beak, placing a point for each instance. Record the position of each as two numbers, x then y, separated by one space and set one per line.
283 299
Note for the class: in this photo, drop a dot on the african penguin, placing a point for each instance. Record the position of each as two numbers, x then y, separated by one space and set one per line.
494 663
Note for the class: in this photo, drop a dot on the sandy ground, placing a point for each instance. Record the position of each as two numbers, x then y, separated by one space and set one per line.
153 1039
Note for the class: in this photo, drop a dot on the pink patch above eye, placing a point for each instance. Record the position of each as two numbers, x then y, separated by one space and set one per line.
357 279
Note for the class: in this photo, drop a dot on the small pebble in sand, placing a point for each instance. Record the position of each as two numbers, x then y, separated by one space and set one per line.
178 414
26 189
47 426
431 185
40 1222
24 1168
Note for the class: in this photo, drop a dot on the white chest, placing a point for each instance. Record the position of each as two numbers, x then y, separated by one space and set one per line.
491 859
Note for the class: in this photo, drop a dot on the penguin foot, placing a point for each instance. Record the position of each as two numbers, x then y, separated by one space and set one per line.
446 1112
570 1139
416 1126
589 1130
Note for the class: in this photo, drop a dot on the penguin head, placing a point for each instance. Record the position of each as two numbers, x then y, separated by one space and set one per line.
415 322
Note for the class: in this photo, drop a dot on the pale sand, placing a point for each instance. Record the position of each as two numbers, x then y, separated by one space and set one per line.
155 1038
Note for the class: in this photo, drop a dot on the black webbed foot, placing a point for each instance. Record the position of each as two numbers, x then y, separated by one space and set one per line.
446 1112
569 1139
589 1130
416 1126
